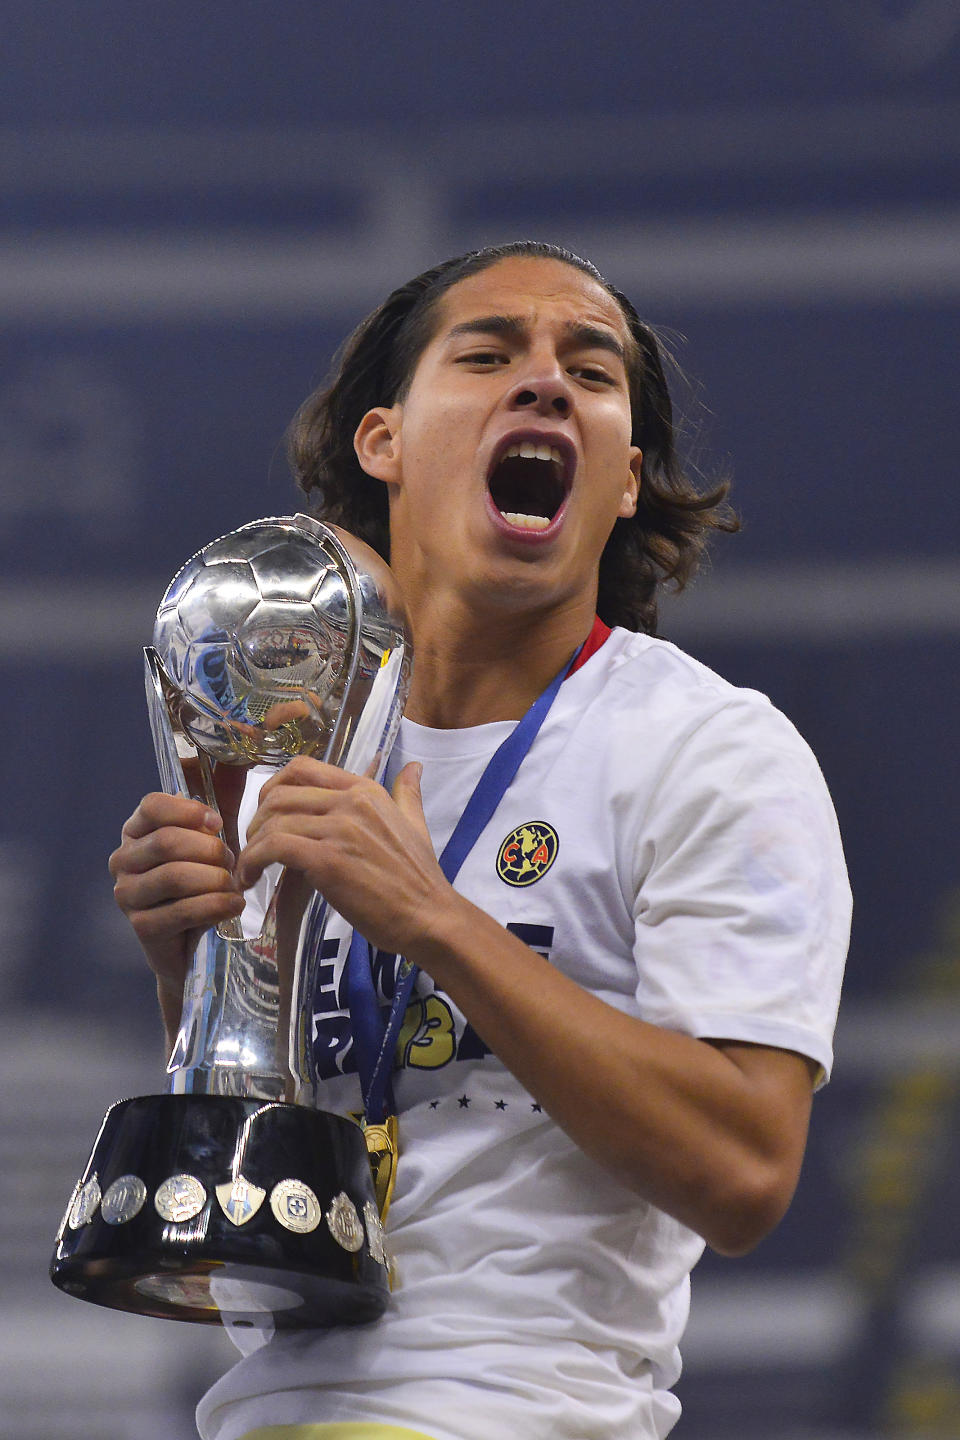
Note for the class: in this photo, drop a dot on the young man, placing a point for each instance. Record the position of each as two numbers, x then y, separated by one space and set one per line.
627 997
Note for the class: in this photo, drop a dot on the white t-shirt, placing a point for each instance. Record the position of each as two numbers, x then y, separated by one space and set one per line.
670 845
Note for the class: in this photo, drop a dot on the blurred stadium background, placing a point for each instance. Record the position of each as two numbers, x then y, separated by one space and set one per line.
196 203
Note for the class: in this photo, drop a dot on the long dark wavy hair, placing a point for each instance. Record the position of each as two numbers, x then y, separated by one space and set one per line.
663 542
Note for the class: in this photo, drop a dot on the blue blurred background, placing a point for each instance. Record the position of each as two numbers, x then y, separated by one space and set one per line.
196 203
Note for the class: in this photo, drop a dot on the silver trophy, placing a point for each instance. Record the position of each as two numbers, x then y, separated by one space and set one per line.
231 1197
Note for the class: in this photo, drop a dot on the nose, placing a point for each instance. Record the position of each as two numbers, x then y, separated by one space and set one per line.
544 389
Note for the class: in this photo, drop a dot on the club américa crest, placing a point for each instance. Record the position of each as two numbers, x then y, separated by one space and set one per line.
527 853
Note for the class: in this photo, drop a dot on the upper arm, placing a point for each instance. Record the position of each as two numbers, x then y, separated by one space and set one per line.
742 906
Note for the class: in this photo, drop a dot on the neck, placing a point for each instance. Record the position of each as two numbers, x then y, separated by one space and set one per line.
471 670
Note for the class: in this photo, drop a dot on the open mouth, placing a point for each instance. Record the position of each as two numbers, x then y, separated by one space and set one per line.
528 484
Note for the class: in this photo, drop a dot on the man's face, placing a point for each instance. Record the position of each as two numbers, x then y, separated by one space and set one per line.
510 455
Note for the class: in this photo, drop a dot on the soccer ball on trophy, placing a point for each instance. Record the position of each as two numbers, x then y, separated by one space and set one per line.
255 638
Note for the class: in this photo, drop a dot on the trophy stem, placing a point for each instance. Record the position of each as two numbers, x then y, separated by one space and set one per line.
226 1044
247 1005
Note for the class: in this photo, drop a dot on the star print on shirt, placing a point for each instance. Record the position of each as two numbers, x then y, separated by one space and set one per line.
434 1104
535 1106
501 1104
464 1102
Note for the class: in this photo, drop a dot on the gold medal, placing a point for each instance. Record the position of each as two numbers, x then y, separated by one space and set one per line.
383 1150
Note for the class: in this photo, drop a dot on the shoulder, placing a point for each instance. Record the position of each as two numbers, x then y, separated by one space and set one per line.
651 662
686 752
644 683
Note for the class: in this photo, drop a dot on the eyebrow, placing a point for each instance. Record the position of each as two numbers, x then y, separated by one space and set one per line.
513 327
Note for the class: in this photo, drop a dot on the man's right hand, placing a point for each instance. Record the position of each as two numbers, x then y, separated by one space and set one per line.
173 879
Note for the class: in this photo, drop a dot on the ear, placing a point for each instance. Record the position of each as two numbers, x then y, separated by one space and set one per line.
377 443
628 501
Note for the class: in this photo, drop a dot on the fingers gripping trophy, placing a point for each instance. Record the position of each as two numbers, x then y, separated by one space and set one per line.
231 1198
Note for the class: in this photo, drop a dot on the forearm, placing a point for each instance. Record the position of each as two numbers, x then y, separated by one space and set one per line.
678 1120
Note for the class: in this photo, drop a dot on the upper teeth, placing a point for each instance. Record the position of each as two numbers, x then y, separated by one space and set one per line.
530 450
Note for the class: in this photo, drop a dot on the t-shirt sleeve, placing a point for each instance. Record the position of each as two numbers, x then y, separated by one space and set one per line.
742 907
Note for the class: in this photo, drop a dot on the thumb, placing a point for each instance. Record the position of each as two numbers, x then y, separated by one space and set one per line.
406 794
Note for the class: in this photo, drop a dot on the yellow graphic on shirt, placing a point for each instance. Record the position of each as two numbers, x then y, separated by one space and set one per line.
427 1038
527 853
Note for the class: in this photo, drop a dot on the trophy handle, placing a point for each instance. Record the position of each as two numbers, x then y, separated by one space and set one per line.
172 746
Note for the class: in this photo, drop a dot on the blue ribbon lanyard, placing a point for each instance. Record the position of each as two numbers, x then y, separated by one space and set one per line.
374 1037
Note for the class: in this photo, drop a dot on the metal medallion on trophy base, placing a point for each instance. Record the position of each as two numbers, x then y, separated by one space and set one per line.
231 1198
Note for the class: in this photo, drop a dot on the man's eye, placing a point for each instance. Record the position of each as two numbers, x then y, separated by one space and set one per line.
593 373
483 357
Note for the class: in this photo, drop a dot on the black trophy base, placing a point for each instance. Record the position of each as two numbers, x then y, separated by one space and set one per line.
226 1211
